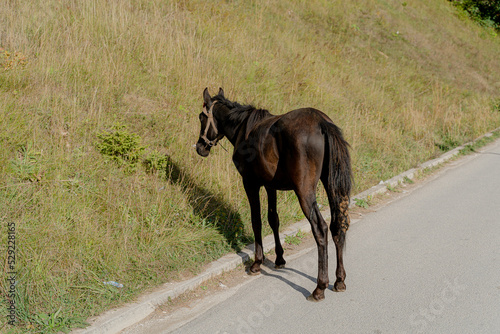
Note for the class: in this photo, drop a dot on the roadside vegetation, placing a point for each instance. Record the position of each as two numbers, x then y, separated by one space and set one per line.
484 12
98 116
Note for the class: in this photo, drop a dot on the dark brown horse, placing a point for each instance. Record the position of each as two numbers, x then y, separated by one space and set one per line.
286 152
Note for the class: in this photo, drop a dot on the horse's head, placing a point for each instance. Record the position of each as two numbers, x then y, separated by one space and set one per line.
209 134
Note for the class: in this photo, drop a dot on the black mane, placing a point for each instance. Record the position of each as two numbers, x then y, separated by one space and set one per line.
241 113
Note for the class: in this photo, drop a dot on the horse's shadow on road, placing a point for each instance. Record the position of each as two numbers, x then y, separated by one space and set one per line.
277 274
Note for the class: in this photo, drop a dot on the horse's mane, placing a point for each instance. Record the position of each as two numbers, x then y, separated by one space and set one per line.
241 113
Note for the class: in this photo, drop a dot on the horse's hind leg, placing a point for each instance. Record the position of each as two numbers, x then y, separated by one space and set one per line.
274 222
338 226
320 232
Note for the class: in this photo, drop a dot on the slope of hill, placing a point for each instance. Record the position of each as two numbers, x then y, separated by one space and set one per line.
99 103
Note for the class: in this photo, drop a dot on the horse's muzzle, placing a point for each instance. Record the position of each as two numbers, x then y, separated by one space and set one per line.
202 149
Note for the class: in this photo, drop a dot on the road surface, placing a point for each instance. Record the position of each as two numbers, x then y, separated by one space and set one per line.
428 262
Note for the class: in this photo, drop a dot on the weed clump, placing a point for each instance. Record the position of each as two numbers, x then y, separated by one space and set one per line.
295 239
155 161
25 166
12 60
121 146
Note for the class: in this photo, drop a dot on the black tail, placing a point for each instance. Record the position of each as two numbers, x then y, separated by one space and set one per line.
337 162
337 178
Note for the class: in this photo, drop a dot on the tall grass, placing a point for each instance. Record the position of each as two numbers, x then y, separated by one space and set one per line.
404 81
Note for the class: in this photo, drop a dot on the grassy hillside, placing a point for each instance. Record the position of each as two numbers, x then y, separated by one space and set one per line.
78 79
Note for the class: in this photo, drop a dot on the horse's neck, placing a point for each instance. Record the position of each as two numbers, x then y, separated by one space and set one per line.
235 130
238 124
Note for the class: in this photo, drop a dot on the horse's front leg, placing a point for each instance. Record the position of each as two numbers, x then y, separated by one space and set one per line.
274 222
254 200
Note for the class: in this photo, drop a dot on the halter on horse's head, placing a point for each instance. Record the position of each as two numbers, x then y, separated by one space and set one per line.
209 134
210 122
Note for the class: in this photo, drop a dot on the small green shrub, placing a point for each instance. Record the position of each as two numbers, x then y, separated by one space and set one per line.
121 146
155 161
485 12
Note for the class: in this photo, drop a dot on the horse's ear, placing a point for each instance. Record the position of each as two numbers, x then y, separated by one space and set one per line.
206 97
221 92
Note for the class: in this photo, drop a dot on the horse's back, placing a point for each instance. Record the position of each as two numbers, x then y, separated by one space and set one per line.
300 145
289 145
301 128
306 116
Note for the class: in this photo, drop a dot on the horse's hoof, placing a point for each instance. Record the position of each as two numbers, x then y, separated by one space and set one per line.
253 273
311 298
339 287
279 266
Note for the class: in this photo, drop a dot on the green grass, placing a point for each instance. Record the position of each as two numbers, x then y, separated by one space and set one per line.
362 203
407 180
295 239
472 147
404 82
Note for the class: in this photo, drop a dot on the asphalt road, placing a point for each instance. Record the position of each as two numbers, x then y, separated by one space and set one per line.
426 263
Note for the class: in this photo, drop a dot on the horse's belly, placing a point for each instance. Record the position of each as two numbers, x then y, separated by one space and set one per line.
277 179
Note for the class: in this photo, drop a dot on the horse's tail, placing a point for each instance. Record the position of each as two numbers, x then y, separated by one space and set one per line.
337 161
337 177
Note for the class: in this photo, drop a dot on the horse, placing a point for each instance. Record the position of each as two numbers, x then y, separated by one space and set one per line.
292 151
